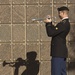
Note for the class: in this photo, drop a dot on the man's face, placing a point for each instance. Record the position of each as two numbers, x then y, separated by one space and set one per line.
60 13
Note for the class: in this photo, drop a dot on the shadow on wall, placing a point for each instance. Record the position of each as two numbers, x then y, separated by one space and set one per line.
71 65
32 65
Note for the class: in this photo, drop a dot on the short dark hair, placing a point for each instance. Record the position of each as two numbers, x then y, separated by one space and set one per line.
63 8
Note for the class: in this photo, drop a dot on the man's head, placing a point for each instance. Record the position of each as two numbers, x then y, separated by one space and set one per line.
63 12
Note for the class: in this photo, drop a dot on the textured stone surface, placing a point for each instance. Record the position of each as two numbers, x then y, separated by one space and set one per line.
43 34
45 51
45 68
19 35
59 1
5 33
5 14
5 51
71 50
45 10
33 2
31 12
71 1
18 14
18 1
71 34
5 1
18 51
5 70
72 11
31 31
45 1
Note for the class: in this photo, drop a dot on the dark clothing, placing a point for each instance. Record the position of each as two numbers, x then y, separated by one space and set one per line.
58 34
58 66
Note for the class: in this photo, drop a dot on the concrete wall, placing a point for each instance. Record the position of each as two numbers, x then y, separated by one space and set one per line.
19 35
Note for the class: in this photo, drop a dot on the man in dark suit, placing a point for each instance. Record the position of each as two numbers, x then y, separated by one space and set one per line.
59 51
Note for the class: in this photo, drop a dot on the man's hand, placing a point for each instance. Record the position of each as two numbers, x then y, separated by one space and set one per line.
48 19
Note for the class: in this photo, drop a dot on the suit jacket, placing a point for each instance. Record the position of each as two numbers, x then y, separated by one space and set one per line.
58 34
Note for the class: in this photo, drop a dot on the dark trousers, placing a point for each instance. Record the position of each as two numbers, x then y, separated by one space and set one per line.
58 66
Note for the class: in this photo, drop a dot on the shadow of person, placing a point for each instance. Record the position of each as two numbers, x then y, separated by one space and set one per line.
18 62
32 65
17 65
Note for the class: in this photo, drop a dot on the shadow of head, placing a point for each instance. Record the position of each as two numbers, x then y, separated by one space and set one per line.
31 55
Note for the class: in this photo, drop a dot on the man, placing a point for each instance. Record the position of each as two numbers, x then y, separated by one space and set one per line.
59 51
